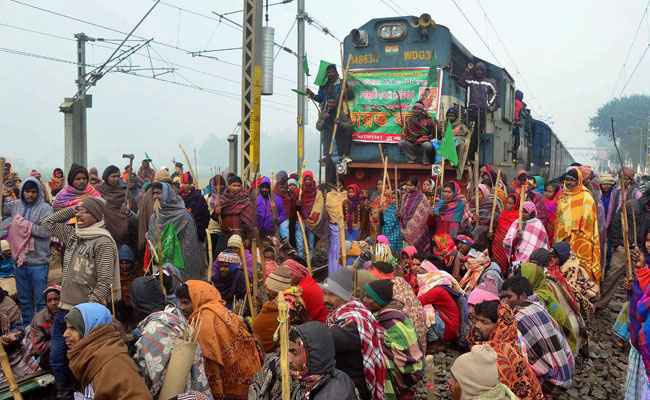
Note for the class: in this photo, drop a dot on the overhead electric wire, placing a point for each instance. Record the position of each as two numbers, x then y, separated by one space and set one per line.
399 7
523 80
286 37
40 56
391 7
475 31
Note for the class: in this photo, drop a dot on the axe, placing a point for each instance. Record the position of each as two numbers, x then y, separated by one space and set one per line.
128 179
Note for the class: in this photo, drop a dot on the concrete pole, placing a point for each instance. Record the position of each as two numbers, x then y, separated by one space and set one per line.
301 82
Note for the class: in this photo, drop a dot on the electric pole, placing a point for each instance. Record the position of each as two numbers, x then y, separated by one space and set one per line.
75 127
301 82
251 88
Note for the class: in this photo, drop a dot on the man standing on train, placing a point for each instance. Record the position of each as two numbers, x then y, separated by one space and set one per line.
331 88
481 95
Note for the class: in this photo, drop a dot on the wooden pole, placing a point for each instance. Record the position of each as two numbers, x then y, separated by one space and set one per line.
209 237
156 207
305 241
522 193
112 300
248 283
196 178
6 368
283 318
255 239
494 204
338 108
476 188
466 151
273 208
189 164
626 240
442 174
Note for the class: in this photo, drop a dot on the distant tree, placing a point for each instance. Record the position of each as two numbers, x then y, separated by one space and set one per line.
631 118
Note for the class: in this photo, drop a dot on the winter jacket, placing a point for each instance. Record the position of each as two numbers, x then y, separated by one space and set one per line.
480 92
35 213
319 352
334 90
642 214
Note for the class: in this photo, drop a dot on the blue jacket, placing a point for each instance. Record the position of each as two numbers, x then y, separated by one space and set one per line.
323 94
264 214
35 213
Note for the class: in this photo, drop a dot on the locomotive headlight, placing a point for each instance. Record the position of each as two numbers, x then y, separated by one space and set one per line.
392 31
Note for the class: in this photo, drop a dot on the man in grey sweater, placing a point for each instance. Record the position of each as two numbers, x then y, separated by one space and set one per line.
30 246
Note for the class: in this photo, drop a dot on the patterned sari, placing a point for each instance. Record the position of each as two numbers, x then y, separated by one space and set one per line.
449 214
415 210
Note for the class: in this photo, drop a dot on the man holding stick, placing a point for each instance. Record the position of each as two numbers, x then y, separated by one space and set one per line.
332 88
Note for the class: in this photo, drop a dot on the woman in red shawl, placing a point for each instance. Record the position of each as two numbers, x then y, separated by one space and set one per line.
406 265
520 180
57 182
236 211
505 220
309 203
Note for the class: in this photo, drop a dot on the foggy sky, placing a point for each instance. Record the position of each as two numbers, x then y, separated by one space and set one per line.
570 54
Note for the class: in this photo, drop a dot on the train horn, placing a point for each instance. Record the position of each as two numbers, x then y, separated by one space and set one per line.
414 22
425 20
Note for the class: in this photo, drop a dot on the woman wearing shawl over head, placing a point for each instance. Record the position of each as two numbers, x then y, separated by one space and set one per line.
98 356
538 199
428 190
57 182
537 279
236 212
413 216
577 223
228 278
217 187
172 209
449 210
355 214
486 200
230 356
550 202
121 222
503 223
520 245
310 206
78 188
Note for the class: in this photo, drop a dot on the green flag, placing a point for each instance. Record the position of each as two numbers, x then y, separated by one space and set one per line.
300 92
432 77
146 156
321 77
305 65
171 248
448 146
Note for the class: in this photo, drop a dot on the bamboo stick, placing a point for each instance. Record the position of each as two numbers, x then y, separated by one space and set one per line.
209 237
248 283
112 300
626 240
476 188
196 178
338 109
522 193
6 368
273 208
466 151
305 241
494 204
283 318
189 164
442 174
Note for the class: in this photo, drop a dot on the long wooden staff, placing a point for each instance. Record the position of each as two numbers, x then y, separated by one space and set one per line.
208 236
256 238
2 182
6 368
494 204
274 212
338 108
248 283
442 173
189 164
628 260
196 177
305 242
476 188
467 141
283 318
522 193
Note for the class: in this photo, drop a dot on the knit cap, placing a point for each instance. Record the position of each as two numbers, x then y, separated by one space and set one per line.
95 206
235 241
75 319
279 280
476 371
162 176
340 283
485 291
381 291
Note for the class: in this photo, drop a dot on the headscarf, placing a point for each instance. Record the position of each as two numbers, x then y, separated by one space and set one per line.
92 315
450 211
229 285
539 184
147 296
607 178
516 184
238 205
537 279
111 169
354 203
504 222
56 183
69 196
213 190
563 250
296 268
312 202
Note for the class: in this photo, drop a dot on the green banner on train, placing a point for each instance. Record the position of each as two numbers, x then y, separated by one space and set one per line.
375 109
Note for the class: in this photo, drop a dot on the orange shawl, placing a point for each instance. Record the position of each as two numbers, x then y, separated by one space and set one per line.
230 356
576 222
